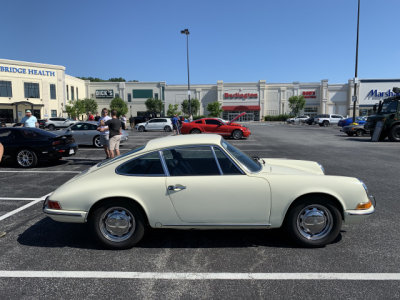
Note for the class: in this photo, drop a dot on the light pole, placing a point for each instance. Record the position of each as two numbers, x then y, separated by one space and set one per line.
355 75
186 32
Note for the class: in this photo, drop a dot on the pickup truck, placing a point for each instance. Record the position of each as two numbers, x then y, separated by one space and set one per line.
328 119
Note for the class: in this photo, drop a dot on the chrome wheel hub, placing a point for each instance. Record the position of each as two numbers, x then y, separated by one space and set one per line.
117 224
25 158
315 222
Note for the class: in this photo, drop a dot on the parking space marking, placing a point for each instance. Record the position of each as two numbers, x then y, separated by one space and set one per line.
202 276
74 172
9 214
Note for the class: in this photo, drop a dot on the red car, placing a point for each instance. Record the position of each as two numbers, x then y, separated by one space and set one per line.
216 125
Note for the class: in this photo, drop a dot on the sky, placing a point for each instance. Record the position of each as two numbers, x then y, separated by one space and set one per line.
234 41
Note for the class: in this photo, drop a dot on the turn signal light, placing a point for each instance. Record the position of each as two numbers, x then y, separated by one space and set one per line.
53 204
364 205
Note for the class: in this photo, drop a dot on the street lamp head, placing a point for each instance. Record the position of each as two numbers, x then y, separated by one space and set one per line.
185 31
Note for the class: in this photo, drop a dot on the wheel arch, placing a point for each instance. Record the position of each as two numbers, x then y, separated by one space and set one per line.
328 197
129 200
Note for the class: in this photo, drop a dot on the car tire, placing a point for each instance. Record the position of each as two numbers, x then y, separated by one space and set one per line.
325 123
394 133
96 142
167 129
130 223
237 134
51 127
323 226
360 132
26 158
141 128
349 133
195 131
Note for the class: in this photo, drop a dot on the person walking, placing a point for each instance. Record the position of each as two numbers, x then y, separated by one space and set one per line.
114 125
104 132
175 124
29 120
132 122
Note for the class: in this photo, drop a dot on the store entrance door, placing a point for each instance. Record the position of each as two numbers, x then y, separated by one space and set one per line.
247 117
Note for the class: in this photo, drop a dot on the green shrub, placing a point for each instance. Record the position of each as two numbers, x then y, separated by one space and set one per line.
277 117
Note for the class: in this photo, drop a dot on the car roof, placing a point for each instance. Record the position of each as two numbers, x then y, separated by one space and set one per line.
182 140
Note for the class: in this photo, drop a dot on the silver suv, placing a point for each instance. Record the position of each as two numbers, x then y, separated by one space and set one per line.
53 123
328 119
156 124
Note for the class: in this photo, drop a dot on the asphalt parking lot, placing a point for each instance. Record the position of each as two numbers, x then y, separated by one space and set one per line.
41 258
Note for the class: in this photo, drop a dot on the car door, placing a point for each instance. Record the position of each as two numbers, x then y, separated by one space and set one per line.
151 125
203 191
77 133
212 126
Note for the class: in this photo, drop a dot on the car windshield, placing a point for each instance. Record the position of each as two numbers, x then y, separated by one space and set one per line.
250 164
106 162
389 107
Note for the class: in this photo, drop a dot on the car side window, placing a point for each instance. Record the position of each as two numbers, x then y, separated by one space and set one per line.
227 166
30 134
5 133
92 127
198 122
191 161
78 126
213 122
147 165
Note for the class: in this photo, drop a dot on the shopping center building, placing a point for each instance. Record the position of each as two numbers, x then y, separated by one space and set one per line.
46 90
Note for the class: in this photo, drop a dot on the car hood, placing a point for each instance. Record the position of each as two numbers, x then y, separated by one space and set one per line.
237 117
291 167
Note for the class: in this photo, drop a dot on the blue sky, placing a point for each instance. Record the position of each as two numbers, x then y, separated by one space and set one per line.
234 41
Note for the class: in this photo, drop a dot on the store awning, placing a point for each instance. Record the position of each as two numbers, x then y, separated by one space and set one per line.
242 108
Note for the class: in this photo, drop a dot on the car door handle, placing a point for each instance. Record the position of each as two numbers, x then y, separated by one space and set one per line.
176 188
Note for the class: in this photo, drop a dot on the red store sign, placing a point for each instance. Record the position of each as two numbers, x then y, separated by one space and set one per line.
309 94
237 95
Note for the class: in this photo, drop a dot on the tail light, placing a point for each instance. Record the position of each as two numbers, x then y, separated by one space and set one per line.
53 204
56 143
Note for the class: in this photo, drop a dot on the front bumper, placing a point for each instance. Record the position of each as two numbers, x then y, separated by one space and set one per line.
353 216
68 216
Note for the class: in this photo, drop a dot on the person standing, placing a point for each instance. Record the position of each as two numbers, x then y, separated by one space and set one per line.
29 120
175 124
115 127
91 117
132 122
97 117
104 132
190 118
123 120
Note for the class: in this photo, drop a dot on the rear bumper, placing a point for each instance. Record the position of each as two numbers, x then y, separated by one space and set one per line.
68 216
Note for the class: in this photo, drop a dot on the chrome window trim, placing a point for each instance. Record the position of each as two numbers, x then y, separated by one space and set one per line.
163 163
141 175
216 159
230 158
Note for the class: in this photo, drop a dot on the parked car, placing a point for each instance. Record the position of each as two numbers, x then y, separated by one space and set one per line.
203 182
348 121
357 130
215 125
54 123
28 146
311 120
298 119
156 124
85 133
328 119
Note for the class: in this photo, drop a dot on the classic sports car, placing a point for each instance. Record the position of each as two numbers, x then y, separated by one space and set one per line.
217 125
203 182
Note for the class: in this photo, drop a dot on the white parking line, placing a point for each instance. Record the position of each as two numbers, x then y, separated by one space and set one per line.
201 276
73 172
36 200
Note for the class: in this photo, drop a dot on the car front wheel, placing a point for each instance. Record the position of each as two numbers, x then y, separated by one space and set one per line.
237 134
195 131
314 222
27 158
325 123
141 128
167 129
360 132
51 127
118 224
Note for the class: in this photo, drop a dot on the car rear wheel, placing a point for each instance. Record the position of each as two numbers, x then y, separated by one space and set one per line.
141 128
118 224
314 222
349 133
360 132
51 127
394 134
195 131
96 142
167 129
26 158
237 134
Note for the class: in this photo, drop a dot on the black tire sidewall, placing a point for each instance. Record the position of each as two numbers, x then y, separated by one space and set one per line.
240 134
94 141
291 223
392 136
130 242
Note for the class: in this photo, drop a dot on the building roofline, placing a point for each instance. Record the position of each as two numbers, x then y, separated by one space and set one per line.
31 64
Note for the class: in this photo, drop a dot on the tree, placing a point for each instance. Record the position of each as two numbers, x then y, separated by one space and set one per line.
119 105
173 110
119 79
75 109
154 106
194 105
215 109
296 104
90 105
